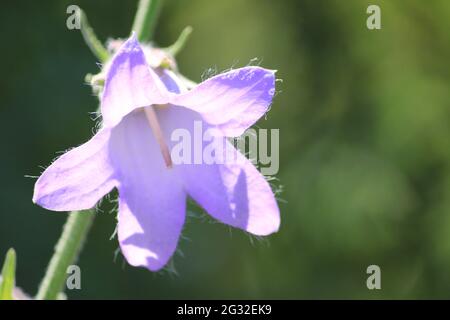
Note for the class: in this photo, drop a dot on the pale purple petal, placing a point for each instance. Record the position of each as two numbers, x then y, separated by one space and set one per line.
232 101
152 203
130 83
77 179
235 192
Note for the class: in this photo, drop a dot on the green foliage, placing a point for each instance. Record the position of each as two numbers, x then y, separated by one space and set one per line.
7 281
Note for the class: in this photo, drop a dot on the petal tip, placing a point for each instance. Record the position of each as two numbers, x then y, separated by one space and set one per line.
35 200
37 193
267 226
132 43
266 230
135 259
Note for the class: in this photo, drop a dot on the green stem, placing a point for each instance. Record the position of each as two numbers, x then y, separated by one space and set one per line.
66 253
91 39
145 18
181 41
8 276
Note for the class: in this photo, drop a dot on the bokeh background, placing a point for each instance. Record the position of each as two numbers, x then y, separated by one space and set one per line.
364 119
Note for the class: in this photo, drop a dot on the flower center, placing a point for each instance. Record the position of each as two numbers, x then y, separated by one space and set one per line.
156 129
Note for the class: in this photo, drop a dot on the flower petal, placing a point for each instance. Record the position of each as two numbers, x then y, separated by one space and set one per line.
77 179
130 83
234 192
232 101
152 203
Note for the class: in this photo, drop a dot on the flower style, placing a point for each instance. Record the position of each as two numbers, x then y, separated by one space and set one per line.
140 108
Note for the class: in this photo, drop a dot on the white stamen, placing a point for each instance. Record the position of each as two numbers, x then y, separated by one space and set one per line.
154 125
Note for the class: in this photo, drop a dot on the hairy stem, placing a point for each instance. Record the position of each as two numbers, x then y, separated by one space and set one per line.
66 253
91 39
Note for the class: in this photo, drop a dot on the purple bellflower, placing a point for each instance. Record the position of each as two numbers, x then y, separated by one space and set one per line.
140 108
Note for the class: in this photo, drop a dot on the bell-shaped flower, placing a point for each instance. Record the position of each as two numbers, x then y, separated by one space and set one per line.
140 109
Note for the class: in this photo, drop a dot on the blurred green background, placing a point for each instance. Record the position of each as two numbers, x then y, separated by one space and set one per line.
364 119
